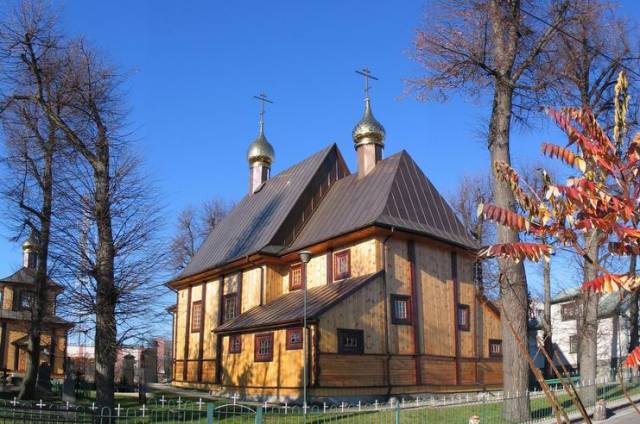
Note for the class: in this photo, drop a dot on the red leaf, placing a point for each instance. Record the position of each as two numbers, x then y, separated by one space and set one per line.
633 360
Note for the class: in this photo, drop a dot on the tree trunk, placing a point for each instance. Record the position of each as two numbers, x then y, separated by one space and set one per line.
28 388
633 309
513 282
587 320
546 319
105 338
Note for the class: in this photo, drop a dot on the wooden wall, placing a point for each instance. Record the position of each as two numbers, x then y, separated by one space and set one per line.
240 369
16 331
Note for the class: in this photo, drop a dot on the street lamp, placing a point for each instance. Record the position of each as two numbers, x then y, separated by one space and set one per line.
305 257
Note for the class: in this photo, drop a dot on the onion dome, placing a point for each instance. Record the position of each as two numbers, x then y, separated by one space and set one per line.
368 130
30 244
260 150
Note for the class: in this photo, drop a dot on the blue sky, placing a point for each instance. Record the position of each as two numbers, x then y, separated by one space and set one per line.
196 65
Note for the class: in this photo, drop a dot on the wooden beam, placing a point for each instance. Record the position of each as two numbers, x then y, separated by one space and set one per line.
411 253
456 302
203 315
187 332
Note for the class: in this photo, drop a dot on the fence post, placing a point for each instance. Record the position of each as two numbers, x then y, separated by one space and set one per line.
259 415
398 413
210 413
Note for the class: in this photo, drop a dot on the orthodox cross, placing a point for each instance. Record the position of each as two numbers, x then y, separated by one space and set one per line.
366 74
262 98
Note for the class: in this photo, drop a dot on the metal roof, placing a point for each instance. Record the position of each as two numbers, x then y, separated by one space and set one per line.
397 194
254 222
288 308
26 276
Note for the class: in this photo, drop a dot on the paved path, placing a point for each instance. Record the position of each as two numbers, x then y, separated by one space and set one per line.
623 416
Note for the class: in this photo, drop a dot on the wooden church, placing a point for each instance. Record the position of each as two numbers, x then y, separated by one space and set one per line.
391 302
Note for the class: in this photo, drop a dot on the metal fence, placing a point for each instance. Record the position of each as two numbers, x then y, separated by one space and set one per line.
488 407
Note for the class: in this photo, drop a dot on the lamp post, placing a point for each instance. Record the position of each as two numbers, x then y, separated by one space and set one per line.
305 256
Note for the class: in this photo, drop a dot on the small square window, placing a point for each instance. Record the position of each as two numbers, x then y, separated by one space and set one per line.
463 317
495 347
263 347
568 311
296 277
350 341
400 309
235 344
573 344
294 338
229 307
196 316
342 264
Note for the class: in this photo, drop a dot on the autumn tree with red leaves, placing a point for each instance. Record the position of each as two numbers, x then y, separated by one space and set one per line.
603 194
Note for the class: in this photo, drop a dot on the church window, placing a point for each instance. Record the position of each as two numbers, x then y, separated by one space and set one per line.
495 347
296 277
294 338
229 307
263 347
568 311
401 309
573 344
196 316
463 317
342 264
26 300
350 341
235 344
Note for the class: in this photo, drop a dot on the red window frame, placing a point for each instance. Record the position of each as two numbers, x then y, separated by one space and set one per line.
345 254
395 318
235 343
225 309
464 317
196 316
498 343
258 354
294 332
296 285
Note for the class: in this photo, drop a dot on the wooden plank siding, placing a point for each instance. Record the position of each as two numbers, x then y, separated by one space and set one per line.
428 353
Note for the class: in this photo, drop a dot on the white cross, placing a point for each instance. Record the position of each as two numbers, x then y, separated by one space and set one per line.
143 409
179 401
286 406
162 401
14 402
342 407
417 401
93 406
403 402
376 404
67 405
359 406
200 403
324 407
304 406
40 404
118 409
265 406
235 398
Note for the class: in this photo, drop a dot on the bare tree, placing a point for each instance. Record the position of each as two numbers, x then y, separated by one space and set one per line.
193 227
34 153
92 124
494 47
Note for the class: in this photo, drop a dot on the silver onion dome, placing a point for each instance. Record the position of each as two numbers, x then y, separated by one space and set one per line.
369 130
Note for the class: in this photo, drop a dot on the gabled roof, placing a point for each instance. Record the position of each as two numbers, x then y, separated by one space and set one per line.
288 308
395 194
26 276
255 223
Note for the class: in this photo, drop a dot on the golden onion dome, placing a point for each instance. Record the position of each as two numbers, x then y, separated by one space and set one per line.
261 150
30 244
368 130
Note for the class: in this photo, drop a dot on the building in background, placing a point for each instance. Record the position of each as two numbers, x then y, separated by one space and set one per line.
17 292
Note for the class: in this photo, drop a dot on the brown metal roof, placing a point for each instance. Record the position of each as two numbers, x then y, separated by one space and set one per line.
256 221
395 194
288 308
26 276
